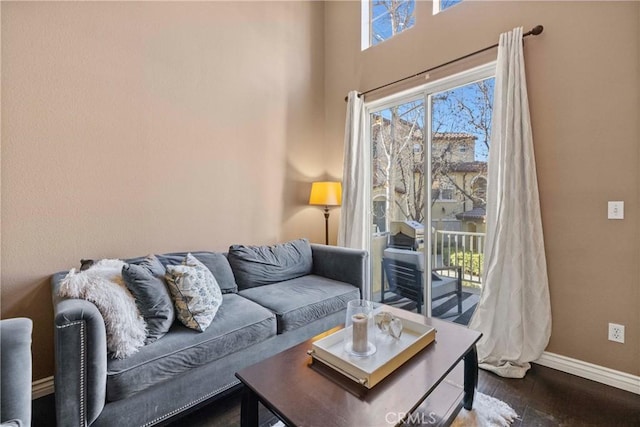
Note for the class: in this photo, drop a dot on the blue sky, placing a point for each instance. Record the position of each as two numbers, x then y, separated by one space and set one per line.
381 20
449 117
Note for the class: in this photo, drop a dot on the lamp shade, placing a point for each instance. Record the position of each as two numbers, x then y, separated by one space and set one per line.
326 193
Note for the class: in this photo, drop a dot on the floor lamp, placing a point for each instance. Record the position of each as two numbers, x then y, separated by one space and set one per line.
326 194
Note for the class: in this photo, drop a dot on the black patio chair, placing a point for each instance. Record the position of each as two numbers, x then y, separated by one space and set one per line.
405 280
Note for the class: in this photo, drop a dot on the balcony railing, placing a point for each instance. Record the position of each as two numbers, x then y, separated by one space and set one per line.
459 248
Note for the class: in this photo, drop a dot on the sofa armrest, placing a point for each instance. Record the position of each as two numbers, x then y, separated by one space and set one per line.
81 360
15 360
338 263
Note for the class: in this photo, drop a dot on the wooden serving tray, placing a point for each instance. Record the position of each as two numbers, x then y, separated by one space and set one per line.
390 352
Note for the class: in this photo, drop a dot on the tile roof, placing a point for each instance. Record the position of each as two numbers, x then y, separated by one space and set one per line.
453 135
469 167
478 212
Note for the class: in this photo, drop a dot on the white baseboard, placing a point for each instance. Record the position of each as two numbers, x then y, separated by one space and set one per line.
41 387
618 379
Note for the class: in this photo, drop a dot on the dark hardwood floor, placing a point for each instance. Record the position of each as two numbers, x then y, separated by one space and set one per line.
545 397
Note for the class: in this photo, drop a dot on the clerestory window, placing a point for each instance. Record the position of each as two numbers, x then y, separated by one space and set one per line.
440 5
383 19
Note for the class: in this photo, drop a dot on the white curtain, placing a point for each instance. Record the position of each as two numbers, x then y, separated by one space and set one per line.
352 231
514 312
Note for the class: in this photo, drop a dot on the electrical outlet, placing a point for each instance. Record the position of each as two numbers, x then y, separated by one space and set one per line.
616 332
615 210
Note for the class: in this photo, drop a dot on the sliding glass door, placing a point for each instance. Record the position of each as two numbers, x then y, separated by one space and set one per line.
429 151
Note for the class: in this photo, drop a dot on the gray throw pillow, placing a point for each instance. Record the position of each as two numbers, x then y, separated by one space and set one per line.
195 292
146 282
262 265
217 263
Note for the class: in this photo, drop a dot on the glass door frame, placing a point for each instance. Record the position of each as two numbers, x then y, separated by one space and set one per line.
424 92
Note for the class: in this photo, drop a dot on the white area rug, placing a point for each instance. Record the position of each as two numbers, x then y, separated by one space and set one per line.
487 412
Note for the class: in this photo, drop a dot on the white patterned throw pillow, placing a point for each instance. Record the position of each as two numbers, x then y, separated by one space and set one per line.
102 284
196 293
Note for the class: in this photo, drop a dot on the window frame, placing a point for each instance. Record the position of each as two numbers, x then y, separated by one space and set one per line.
424 91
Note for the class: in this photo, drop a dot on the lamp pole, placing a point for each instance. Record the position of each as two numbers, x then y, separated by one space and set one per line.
326 225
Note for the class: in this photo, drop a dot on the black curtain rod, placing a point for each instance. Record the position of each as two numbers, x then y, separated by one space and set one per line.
534 32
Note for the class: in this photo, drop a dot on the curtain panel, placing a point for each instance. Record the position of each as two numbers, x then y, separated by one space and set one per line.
352 231
514 312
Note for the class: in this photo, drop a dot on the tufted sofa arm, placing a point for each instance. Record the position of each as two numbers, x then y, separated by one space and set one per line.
342 264
81 360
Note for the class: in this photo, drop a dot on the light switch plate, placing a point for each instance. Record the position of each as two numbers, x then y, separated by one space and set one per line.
615 210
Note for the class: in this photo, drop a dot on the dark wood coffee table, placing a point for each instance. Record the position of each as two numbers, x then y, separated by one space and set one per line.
302 393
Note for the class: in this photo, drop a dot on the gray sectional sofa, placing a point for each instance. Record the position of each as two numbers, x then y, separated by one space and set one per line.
186 368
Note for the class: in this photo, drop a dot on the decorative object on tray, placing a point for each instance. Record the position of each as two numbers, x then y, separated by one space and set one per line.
392 348
389 324
359 340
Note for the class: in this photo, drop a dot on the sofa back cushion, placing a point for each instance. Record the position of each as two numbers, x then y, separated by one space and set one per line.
216 263
263 265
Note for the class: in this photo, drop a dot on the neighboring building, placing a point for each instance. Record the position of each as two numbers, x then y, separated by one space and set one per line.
459 181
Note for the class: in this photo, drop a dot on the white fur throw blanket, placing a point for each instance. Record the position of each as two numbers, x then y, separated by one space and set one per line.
102 284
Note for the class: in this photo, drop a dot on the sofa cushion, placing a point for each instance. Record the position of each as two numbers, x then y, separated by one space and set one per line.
195 292
147 284
239 323
302 300
216 262
263 265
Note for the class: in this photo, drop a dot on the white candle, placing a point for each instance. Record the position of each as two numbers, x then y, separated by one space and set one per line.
360 324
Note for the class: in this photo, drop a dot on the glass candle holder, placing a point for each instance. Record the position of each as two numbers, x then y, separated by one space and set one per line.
359 339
